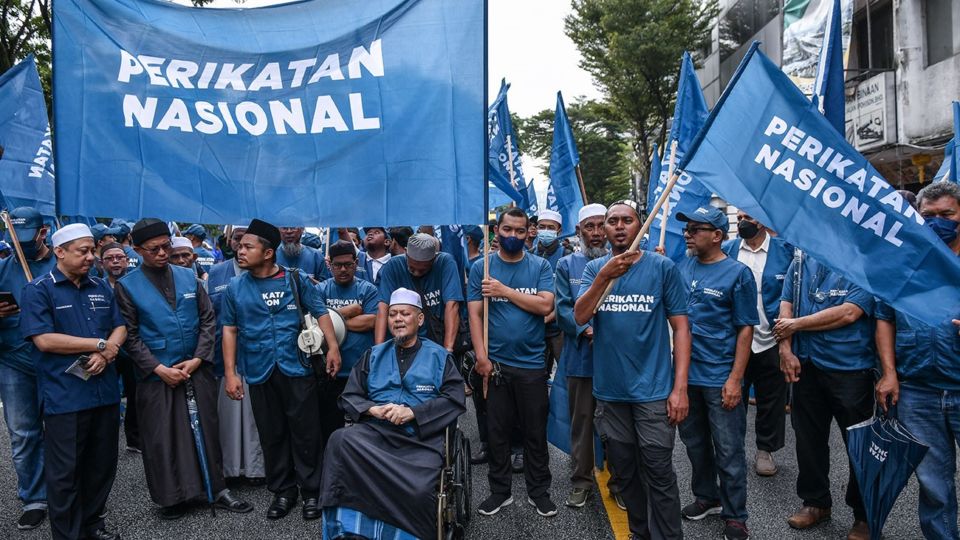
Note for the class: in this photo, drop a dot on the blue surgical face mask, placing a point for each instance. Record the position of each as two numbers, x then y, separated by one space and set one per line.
945 228
511 244
546 236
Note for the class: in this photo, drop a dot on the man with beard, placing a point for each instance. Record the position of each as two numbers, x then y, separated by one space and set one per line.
293 254
196 234
18 375
114 262
380 474
577 355
239 438
640 387
183 255
768 257
261 324
357 301
171 327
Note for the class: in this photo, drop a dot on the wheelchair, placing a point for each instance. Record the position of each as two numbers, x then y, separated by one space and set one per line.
456 483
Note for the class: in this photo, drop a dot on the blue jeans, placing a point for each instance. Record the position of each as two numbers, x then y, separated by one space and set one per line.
933 416
714 438
21 412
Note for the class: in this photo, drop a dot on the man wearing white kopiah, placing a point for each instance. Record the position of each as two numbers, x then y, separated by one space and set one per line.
380 474
641 392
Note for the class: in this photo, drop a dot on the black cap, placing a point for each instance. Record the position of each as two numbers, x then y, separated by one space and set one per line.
342 247
266 231
148 228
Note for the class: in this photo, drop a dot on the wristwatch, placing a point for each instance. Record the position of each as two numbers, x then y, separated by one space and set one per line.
102 345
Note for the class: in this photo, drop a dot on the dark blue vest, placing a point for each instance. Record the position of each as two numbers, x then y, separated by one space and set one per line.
422 381
779 256
577 354
218 278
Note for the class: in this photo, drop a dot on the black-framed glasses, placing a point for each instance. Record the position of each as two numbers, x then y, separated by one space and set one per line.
694 230
343 265
115 258
162 247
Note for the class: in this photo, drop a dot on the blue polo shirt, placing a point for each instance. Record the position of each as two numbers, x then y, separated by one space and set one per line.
14 352
631 337
51 303
336 296
516 335
440 285
850 348
927 356
722 299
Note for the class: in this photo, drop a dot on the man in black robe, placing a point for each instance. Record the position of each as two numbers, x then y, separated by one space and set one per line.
385 468
170 338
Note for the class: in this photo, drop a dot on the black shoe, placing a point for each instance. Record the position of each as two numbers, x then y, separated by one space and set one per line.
544 506
493 504
31 519
256 481
232 504
103 534
311 508
480 456
172 512
281 506
517 463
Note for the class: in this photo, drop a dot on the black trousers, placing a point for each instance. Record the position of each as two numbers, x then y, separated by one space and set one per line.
521 397
763 373
331 417
131 427
818 398
80 463
287 412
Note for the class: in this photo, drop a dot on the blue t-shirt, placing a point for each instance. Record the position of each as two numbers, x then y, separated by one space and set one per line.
440 285
516 336
632 360
849 348
310 261
722 299
359 292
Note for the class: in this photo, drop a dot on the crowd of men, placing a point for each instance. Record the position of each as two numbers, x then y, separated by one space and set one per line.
206 342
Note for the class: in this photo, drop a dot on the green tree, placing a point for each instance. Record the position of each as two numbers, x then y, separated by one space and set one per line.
601 141
633 48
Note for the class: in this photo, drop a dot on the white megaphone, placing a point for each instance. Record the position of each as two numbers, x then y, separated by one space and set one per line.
311 339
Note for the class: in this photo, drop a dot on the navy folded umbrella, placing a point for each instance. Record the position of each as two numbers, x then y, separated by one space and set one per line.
883 454
194 413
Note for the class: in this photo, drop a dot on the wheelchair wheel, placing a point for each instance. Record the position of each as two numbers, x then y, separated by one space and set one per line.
462 479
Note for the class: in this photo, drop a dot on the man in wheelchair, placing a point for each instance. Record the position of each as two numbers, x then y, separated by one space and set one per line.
380 475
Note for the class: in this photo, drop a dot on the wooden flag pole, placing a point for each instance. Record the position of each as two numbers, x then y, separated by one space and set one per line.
583 189
16 247
643 230
486 303
666 205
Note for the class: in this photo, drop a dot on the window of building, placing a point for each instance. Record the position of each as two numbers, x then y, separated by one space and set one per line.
742 21
879 39
941 21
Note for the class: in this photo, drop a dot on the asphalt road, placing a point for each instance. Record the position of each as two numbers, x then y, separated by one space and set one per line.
770 501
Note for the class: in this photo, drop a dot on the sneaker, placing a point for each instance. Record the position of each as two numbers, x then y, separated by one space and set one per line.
735 530
765 465
698 510
493 504
544 506
31 519
619 500
577 498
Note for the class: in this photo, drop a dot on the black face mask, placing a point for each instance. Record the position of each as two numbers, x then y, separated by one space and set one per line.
747 229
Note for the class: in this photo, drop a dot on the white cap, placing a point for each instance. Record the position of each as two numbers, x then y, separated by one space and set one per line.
180 241
70 233
552 215
591 210
405 296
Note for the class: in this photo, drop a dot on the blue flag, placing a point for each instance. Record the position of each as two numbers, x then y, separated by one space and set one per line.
452 243
564 194
533 207
504 172
26 168
828 87
313 112
951 157
654 178
767 149
689 114
496 197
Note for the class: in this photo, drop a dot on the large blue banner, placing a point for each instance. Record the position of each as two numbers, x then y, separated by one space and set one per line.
564 194
503 152
319 112
26 168
688 194
769 151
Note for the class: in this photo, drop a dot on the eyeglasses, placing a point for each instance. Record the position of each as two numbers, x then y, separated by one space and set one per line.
114 258
343 265
162 247
690 231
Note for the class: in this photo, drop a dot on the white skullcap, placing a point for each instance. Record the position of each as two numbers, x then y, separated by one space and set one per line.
552 215
591 210
180 241
70 233
403 296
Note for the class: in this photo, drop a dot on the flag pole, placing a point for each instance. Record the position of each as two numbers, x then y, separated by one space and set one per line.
16 246
583 189
486 301
643 230
666 205
326 247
